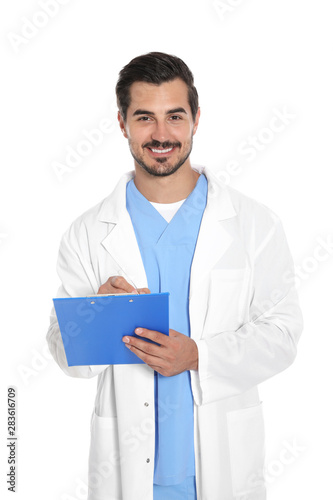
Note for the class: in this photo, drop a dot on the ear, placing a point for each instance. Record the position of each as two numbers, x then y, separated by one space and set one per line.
196 123
122 125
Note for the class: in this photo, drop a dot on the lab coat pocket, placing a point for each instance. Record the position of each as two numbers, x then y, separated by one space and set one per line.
227 290
247 449
104 459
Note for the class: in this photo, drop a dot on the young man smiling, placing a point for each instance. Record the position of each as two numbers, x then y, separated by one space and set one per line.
187 423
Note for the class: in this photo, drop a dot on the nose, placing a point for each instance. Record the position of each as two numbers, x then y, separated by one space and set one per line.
160 131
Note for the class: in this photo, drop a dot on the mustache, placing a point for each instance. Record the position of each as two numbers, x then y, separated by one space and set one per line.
163 145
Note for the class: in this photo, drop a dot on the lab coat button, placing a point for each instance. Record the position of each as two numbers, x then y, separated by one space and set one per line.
148 460
146 404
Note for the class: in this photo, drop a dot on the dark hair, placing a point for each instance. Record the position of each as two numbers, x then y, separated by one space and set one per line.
157 68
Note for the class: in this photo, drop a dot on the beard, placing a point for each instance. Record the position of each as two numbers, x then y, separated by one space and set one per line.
162 167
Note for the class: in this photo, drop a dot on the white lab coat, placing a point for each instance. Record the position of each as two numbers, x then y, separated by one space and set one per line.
245 319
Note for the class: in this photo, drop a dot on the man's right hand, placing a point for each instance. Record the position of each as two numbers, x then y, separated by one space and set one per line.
118 284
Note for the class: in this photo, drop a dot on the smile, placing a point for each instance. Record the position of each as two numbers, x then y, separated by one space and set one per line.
161 151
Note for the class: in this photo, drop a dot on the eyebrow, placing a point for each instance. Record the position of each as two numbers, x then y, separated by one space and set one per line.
170 112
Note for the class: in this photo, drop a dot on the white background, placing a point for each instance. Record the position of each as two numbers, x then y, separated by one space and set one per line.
256 57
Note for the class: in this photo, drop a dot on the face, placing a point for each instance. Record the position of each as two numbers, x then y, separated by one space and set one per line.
159 126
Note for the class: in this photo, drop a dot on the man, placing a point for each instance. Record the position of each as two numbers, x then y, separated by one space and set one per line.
187 423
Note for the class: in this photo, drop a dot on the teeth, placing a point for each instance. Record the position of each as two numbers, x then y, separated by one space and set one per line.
161 150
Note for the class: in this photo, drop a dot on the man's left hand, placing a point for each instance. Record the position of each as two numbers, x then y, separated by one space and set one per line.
175 353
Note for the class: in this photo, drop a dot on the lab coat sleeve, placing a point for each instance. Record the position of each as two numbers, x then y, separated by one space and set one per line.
78 279
232 362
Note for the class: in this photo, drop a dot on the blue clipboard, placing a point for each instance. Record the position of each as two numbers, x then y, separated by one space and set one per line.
92 327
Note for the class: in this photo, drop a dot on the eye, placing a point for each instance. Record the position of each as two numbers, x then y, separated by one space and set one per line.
143 118
175 117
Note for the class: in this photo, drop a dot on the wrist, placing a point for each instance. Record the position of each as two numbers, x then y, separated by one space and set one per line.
195 362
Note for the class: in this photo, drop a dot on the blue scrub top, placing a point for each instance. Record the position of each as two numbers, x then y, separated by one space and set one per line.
167 251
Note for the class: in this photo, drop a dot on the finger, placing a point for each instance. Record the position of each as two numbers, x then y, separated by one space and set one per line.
142 345
116 284
146 354
119 283
158 337
143 290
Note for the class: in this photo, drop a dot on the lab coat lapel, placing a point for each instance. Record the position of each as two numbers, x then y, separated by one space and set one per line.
213 242
213 239
121 242
122 246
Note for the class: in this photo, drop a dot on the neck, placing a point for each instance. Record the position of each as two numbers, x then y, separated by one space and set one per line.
167 189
